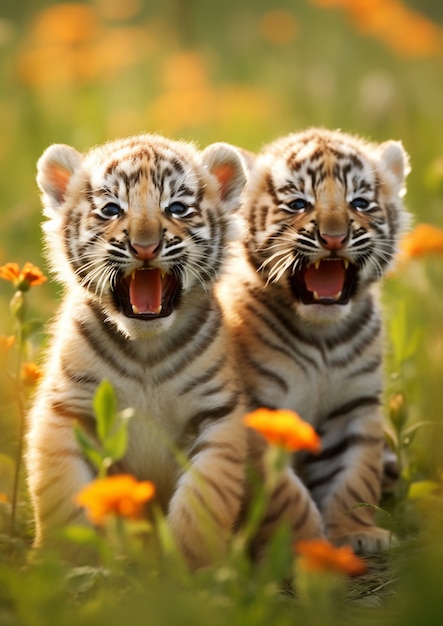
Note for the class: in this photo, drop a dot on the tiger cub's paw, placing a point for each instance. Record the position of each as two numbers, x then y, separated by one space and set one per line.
369 541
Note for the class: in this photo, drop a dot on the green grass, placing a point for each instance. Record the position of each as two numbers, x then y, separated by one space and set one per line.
205 71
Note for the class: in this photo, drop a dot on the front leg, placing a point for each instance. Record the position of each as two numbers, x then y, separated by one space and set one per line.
348 473
56 469
288 502
208 498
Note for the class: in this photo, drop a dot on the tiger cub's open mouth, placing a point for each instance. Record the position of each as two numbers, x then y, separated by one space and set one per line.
326 281
147 294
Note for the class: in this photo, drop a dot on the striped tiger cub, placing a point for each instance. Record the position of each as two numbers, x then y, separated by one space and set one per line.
136 232
324 214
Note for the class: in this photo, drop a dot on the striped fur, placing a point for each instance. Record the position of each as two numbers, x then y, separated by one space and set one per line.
324 214
152 206
136 232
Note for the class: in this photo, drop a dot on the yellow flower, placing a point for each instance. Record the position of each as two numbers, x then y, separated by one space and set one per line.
119 495
30 374
6 342
284 428
321 556
29 276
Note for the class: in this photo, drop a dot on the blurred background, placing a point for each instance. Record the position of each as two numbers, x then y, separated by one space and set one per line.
242 71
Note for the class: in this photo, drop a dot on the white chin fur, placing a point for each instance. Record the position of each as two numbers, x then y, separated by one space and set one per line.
323 314
133 328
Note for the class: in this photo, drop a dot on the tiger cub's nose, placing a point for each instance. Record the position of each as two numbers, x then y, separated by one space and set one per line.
145 253
332 242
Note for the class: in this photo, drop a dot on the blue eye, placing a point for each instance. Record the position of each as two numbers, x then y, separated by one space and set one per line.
178 209
298 205
360 204
110 210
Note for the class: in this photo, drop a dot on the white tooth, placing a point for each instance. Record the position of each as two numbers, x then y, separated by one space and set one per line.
316 296
135 310
317 264
162 274
159 309
133 274
346 263
337 296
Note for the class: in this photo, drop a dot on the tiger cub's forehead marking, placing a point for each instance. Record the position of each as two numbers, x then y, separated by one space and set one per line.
304 167
135 176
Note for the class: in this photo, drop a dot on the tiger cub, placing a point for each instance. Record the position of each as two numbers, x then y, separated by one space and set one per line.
324 214
136 232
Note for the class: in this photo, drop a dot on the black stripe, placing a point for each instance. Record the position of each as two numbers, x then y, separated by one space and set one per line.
372 489
323 480
111 330
78 378
205 505
352 405
195 347
280 347
227 450
75 414
199 320
100 350
197 381
226 492
350 512
214 413
280 327
369 368
376 471
267 373
354 326
276 511
343 446
357 347
301 521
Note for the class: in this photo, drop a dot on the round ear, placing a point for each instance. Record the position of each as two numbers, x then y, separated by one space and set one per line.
227 165
54 171
395 160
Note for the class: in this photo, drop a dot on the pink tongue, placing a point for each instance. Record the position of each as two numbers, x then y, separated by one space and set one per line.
327 280
145 291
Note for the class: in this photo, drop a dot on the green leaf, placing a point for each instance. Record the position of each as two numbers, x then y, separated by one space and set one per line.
105 409
88 447
81 534
115 444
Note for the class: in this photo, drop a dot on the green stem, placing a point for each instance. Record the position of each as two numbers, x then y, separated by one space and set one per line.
21 435
21 426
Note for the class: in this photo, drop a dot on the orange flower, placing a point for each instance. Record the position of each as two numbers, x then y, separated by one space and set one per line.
29 276
30 374
10 271
424 239
284 428
321 556
278 26
6 342
407 32
115 495
3 498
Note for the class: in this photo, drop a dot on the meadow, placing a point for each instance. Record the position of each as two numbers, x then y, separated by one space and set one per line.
244 72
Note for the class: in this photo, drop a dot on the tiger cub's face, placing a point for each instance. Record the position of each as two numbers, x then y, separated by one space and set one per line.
139 223
324 213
